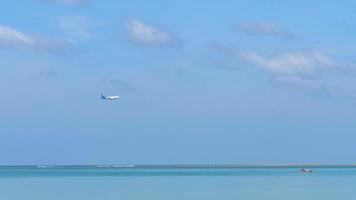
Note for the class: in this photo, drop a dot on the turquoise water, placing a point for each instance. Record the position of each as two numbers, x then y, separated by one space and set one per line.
176 184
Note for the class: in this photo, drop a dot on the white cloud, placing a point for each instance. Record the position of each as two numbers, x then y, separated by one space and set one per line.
143 34
294 68
11 38
296 63
304 70
77 27
262 29
69 2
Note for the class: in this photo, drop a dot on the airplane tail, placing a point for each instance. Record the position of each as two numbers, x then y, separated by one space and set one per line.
103 97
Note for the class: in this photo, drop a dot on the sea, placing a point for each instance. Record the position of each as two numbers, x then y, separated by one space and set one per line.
175 183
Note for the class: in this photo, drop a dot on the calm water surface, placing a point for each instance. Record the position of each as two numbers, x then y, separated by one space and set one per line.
176 184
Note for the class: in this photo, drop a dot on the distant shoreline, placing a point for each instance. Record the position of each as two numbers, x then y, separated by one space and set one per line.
188 166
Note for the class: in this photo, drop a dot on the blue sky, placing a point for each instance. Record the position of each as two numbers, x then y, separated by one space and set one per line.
200 81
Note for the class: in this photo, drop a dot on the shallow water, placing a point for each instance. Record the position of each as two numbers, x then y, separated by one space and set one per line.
92 183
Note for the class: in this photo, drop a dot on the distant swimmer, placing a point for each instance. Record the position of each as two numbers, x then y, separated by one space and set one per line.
303 170
110 97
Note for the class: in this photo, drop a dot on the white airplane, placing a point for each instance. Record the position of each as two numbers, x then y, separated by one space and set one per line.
110 97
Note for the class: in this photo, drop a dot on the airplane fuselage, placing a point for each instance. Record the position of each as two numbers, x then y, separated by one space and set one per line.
110 97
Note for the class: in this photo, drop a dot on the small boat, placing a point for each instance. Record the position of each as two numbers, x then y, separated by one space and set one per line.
303 170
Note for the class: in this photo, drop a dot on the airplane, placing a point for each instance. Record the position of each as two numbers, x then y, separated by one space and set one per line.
110 97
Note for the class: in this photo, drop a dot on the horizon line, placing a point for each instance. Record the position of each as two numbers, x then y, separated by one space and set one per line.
183 165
